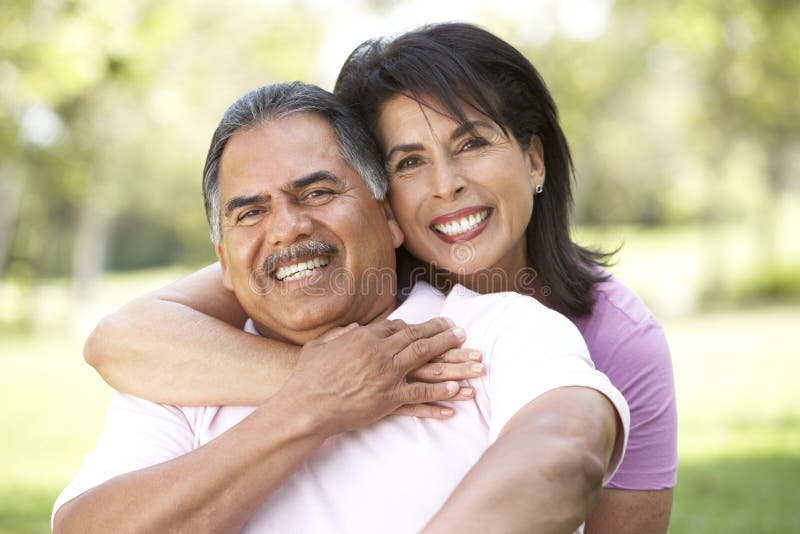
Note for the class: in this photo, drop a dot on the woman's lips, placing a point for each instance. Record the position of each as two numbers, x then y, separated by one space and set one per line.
461 225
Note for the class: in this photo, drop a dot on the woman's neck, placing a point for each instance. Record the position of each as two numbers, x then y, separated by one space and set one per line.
524 280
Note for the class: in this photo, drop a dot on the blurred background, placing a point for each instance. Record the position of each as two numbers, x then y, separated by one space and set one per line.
683 118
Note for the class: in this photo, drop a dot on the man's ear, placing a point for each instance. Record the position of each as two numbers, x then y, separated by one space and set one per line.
394 228
226 277
535 160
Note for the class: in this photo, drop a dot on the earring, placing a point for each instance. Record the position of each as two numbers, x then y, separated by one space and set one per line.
539 188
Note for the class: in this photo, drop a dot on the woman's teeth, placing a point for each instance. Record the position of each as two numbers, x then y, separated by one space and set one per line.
463 225
300 270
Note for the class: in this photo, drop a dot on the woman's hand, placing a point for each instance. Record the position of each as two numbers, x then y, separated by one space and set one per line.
355 375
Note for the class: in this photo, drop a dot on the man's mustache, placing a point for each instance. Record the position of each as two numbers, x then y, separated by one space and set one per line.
297 251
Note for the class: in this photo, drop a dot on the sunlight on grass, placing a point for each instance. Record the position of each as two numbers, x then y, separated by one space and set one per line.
58 407
739 421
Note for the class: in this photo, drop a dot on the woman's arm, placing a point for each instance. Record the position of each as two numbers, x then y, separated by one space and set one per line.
184 345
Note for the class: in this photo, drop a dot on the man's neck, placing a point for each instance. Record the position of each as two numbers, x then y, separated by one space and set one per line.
301 337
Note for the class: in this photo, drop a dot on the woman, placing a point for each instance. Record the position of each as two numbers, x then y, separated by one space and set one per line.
480 183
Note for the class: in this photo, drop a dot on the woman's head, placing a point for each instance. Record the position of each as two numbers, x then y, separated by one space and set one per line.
463 192
460 71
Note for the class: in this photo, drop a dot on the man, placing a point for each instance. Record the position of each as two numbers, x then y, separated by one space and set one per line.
293 195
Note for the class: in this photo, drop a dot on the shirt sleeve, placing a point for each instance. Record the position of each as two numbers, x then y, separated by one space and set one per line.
537 350
641 368
137 434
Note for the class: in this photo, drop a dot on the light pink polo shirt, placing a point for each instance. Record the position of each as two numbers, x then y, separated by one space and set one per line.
394 475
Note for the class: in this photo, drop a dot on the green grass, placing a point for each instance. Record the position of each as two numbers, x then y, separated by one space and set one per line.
736 374
53 406
739 421
750 494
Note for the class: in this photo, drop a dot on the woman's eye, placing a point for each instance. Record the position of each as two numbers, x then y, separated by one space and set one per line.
475 142
407 163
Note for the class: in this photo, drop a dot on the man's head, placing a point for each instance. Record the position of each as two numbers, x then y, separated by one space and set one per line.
293 187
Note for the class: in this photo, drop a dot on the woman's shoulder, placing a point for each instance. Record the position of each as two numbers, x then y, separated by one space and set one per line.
615 301
621 326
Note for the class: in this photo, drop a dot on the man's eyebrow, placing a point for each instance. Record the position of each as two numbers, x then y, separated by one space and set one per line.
315 177
238 202
470 126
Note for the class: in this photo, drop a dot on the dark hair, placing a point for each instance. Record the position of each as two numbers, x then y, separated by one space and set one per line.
272 102
457 65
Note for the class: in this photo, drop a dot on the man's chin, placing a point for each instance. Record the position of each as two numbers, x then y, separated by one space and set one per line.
299 323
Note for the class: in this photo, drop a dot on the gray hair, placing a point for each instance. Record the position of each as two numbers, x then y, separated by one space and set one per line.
275 101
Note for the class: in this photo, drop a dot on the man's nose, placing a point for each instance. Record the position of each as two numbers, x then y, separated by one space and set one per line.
287 224
447 180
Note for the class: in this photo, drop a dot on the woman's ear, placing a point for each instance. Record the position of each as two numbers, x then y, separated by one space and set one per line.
534 155
394 228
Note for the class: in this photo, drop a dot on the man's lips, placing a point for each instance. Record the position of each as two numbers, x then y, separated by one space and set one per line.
300 269
463 224
300 257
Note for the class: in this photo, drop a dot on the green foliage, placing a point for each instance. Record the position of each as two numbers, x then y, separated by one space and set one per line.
679 112
107 109
682 111
780 285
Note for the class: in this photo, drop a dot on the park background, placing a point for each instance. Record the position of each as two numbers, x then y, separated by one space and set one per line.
683 118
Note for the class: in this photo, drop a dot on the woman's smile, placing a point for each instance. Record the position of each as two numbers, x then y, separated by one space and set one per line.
452 183
463 224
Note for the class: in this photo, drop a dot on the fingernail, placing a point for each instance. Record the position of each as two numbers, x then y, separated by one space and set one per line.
452 387
475 356
449 321
477 367
459 332
447 412
467 392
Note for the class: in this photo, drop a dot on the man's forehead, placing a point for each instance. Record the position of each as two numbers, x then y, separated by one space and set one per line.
280 152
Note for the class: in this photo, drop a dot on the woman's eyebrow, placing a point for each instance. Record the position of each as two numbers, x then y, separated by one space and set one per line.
410 147
470 126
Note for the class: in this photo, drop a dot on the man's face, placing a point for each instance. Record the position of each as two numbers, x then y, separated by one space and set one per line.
305 247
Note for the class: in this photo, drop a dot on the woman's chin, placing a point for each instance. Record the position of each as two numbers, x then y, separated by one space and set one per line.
467 273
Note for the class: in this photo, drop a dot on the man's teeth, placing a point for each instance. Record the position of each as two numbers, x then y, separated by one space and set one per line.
300 270
465 224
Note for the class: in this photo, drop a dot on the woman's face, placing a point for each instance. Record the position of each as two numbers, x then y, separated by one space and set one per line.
463 196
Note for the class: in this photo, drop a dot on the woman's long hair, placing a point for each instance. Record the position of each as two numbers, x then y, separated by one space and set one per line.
456 65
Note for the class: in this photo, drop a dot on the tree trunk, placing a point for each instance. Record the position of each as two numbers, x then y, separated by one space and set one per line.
10 197
89 250
768 216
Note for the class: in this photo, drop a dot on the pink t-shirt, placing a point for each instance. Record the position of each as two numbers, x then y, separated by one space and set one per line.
628 345
395 474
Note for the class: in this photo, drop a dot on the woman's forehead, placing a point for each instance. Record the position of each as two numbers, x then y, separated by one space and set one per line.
404 109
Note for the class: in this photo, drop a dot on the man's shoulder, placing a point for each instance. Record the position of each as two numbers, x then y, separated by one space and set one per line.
422 303
487 316
512 308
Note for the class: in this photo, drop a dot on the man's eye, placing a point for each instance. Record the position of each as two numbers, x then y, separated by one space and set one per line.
318 196
249 214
